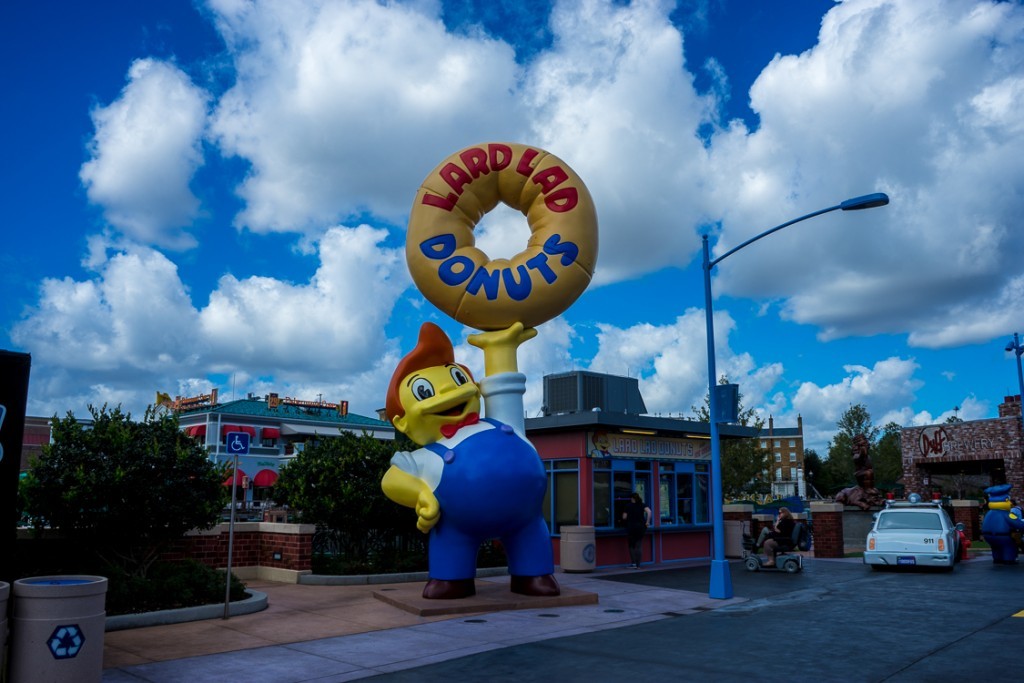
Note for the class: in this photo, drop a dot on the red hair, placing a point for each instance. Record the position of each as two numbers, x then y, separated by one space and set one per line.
432 348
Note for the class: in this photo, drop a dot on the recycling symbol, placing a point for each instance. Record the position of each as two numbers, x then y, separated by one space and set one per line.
66 641
589 553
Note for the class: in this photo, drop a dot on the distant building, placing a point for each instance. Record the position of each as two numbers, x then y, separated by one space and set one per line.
786 469
964 458
278 429
36 435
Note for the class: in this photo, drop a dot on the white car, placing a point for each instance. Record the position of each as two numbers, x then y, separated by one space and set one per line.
913 534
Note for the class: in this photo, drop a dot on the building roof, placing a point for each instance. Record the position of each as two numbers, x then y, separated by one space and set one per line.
664 426
781 431
258 408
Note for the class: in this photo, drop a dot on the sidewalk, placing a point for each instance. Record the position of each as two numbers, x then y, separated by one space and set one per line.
345 633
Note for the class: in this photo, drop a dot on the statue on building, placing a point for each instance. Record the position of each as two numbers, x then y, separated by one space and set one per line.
864 495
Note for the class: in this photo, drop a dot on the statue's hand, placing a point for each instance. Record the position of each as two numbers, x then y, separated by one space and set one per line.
499 347
428 511
513 336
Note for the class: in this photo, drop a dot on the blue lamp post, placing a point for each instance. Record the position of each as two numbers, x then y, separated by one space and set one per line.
721 580
1016 347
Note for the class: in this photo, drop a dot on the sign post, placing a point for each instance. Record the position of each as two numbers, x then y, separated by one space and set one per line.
14 370
238 444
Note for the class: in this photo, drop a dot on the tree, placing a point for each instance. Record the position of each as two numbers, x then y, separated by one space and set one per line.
335 484
744 462
124 490
812 470
887 456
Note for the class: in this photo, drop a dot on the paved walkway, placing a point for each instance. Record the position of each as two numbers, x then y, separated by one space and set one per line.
836 621
341 633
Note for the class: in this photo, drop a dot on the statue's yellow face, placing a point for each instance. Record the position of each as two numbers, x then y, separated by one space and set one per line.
433 397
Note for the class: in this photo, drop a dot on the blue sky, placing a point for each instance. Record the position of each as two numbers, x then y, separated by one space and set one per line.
215 194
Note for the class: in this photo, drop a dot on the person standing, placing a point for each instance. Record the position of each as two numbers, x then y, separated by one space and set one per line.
637 517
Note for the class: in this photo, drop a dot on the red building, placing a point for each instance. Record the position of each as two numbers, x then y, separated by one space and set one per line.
599 447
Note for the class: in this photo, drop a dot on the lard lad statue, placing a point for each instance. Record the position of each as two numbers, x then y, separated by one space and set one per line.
475 478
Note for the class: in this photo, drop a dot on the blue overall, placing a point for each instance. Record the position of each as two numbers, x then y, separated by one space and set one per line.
995 529
492 486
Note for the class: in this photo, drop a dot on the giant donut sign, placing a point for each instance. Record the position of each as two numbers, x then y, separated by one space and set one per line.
533 286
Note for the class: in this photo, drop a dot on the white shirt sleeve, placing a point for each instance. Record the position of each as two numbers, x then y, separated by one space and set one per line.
422 463
503 399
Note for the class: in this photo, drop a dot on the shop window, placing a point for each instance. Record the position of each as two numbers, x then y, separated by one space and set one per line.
562 499
268 443
702 495
684 496
614 486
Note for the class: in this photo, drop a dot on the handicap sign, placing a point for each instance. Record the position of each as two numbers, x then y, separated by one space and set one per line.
66 641
238 443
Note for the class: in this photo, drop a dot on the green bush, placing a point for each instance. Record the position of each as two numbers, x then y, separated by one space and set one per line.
170 585
122 490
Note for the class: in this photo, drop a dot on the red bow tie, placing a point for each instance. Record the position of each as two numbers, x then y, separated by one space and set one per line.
448 430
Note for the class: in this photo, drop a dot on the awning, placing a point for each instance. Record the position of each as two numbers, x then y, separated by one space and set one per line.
271 433
239 476
308 430
195 431
251 431
264 478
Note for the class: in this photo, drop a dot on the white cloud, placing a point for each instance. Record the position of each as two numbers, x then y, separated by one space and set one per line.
135 313
884 389
132 328
914 98
612 99
342 107
671 361
334 325
146 147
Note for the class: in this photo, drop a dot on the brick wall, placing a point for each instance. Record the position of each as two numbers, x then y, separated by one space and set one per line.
256 545
969 513
828 529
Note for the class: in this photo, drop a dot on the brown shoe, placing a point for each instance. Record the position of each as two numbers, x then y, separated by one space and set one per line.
439 589
542 586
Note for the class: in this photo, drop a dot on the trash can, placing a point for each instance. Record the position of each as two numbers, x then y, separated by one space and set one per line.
734 530
5 590
578 549
57 627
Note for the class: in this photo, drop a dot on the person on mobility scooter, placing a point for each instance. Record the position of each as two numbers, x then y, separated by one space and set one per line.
778 542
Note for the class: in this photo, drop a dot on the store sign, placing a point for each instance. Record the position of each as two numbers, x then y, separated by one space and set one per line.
605 445
936 441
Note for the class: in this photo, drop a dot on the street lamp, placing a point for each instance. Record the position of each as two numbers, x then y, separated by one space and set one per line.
721 580
1015 346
